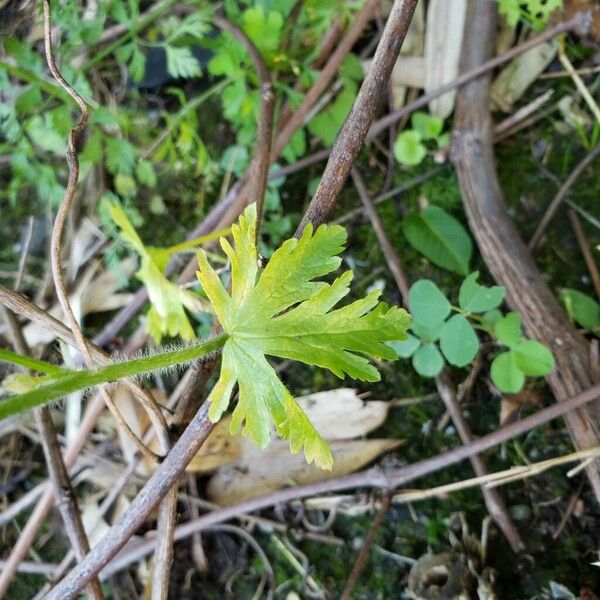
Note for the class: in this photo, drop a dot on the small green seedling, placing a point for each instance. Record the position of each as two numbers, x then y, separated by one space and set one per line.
411 148
443 333
582 309
535 12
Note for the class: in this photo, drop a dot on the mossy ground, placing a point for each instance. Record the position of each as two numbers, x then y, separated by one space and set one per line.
537 504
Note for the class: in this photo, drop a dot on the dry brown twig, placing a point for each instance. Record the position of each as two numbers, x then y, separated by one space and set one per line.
354 130
585 250
562 193
154 411
361 559
66 499
259 168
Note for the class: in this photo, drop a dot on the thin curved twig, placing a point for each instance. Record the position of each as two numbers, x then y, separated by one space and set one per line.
167 508
361 559
562 193
262 149
56 245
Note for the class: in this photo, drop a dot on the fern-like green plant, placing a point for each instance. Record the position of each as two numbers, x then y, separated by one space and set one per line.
282 311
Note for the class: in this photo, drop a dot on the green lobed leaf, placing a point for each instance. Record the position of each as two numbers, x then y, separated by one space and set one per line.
282 311
181 63
458 341
120 156
506 375
533 358
508 329
537 12
427 360
584 310
427 303
440 238
408 148
264 29
479 298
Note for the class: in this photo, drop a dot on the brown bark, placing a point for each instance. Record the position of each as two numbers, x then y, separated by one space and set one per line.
501 246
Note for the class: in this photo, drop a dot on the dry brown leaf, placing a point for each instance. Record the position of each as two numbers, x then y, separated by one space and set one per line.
443 42
79 242
511 405
338 414
341 414
519 74
221 448
268 470
94 293
135 416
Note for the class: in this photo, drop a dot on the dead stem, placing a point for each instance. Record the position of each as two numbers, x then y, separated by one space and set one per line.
504 252
363 555
259 167
562 193
585 250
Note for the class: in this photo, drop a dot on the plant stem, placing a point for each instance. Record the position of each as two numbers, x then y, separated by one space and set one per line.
83 379
32 363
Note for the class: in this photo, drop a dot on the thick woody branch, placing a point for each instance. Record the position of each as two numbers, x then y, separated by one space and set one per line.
504 252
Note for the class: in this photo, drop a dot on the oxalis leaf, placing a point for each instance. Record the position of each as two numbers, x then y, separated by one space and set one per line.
281 311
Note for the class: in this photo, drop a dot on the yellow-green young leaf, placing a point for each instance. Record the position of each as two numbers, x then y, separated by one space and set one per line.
18 383
282 311
168 301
